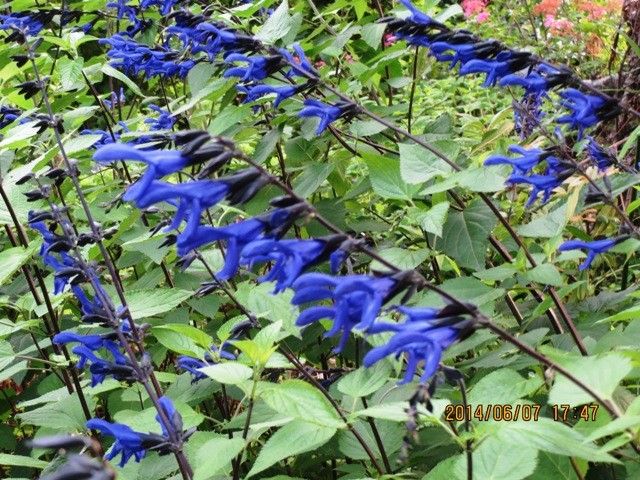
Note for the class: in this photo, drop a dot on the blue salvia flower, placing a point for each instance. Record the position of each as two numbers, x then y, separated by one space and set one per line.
129 443
165 5
159 164
22 25
92 342
417 17
291 257
506 62
258 67
326 113
256 92
602 157
115 99
124 10
586 110
544 184
165 120
423 338
462 52
593 248
193 365
8 115
105 137
527 113
357 300
524 163
300 64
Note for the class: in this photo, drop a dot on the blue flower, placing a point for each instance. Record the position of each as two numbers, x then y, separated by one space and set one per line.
258 67
300 64
128 442
417 17
463 52
602 157
115 99
193 365
506 62
259 91
22 24
165 5
159 164
357 300
593 248
423 338
165 120
8 115
527 113
586 110
291 257
528 159
92 342
544 184
326 113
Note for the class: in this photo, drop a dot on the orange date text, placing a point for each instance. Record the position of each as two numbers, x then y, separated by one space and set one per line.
490 411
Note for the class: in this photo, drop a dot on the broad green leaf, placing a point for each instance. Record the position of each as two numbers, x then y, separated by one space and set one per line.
417 164
183 339
301 400
112 72
228 372
546 225
553 467
444 470
547 435
63 416
215 455
21 461
19 133
505 384
433 220
601 373
616 426
277 25
294 438
7 355
311 178
148 303
497 460
465 235
365 381
546 274
385 178
364 128
80 143
372 34
402 258
11 259
230 116
71 73
391 434
199 76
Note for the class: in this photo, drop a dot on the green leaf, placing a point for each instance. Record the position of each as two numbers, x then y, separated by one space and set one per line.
553 467
300 400
364 128
19 133
545 273
417 164
71 73
7 355
277 25
80 143
199 76
147 303
433 220
385 177
11 259
546 225
63 416
230 373
365 381
496 460
112 72
601 373
183 339
372 34
505 384
145 420
401 258
547 435
294 438
21 461
311 178
443 470
207 463
230 116
616 426
465 234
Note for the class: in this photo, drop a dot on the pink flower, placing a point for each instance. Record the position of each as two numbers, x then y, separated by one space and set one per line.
558 26
389 39
482 17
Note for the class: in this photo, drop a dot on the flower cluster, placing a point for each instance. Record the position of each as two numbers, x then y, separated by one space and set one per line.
356 300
